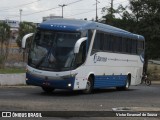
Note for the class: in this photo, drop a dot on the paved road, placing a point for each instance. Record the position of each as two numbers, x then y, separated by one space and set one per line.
138 98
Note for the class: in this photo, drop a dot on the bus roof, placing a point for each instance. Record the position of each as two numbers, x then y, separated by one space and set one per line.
80 25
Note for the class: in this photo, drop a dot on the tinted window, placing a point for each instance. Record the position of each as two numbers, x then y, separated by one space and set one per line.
134 46
113 43
98 42
124 45
140 47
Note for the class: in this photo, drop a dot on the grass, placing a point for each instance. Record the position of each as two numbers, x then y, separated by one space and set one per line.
154 72
12 70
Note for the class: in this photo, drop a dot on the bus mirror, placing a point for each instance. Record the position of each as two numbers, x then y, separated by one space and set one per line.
25 38
78 44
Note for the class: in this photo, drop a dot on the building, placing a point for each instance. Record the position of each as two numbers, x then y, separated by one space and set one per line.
51 17
14 28
13 24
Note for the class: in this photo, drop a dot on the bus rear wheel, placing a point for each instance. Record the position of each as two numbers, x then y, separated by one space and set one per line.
89 86
47 89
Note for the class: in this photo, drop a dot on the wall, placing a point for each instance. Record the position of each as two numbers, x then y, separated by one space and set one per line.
12 79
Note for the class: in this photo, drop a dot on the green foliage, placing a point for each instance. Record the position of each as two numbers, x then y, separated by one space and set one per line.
11 70
141 17
4 42
25 28
148 16
108 18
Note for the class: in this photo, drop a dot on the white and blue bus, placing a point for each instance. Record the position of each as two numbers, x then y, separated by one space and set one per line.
83 55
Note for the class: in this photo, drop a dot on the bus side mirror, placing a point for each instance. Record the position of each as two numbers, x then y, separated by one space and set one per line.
24 39
78 44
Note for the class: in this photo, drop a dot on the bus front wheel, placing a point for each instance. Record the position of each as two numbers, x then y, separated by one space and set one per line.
89 86
48 89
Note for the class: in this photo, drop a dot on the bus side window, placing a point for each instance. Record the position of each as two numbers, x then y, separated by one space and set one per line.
124 45
134 46
140 47
96 44
81 56
119 44
105 44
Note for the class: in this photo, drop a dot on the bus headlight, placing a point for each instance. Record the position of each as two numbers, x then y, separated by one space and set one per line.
69 85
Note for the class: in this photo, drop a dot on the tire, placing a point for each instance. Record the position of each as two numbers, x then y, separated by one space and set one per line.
148 82
89 86
127 85
48 89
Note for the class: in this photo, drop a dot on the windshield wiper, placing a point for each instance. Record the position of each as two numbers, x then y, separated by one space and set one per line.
43 58
41 61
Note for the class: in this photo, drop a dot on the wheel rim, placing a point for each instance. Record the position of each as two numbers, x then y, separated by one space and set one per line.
88 87
148 82
127 84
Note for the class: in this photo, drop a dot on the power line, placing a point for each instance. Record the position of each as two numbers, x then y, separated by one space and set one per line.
84 12
13 7
93 10
90 10
51 8
74 2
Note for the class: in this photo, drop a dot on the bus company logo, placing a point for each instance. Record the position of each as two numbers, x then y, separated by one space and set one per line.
100 59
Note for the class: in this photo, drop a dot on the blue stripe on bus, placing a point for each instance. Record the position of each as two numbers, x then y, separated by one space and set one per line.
57 84
110 81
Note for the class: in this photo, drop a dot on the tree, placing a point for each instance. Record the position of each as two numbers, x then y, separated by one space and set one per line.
147 16
108 15
4 43
25 28
141 17
124 21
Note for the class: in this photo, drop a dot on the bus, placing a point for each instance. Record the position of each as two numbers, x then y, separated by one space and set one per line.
83 55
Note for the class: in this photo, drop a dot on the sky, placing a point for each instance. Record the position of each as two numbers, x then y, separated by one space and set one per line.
34 10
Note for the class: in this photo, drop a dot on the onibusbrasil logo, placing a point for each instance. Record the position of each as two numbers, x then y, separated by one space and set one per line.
21 114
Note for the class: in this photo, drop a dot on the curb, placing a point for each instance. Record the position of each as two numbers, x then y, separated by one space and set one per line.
12 79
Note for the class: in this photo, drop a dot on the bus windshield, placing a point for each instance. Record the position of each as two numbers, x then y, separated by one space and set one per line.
52 51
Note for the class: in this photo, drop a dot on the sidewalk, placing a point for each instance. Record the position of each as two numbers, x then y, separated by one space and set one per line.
155 82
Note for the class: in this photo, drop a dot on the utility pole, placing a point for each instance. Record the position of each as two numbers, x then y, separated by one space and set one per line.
111 7
96 10
62 8
20 11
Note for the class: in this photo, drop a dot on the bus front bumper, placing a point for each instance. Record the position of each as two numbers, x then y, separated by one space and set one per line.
65 83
